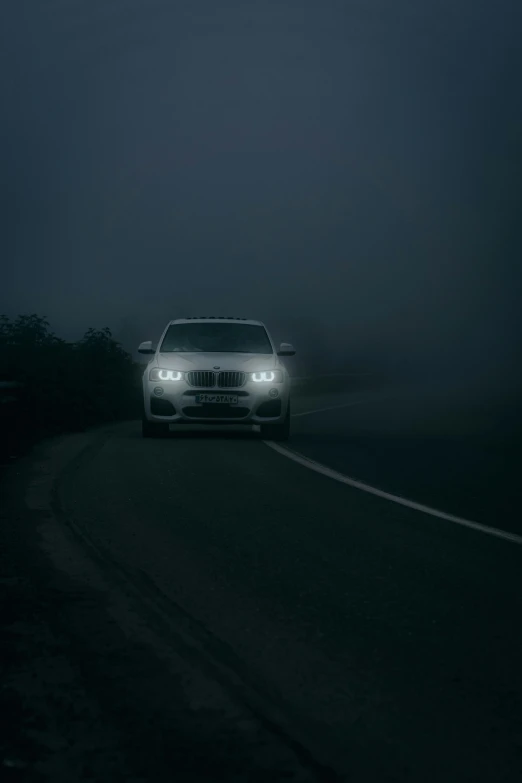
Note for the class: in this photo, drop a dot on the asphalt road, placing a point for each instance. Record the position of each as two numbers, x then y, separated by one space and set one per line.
460 455
285 625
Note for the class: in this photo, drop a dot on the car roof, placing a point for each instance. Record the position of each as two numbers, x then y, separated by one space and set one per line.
228 318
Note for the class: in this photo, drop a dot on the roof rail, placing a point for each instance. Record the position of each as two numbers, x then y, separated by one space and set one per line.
215 317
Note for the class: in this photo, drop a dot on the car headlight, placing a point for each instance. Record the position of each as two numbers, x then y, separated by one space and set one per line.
165 375
268 376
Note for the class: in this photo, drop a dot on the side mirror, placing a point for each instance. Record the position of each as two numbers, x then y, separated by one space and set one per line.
286 349
146 347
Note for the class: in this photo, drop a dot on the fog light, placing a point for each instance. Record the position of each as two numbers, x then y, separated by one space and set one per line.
273 392
158 391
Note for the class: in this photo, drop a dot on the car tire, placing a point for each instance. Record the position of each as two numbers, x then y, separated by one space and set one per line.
279 431
153 429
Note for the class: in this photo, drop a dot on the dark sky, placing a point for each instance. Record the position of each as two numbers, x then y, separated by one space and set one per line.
350 167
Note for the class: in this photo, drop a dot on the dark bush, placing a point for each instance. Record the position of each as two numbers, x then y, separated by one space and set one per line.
66 386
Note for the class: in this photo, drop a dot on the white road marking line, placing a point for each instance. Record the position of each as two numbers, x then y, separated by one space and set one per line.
330 408
330 473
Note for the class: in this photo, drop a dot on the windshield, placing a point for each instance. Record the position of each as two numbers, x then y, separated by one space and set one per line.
216 338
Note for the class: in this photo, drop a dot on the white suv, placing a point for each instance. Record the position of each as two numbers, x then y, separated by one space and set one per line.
216 370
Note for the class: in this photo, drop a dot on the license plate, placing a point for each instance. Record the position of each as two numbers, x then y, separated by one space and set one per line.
227 399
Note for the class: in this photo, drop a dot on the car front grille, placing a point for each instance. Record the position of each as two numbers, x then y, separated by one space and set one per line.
216 411
230 380
205 379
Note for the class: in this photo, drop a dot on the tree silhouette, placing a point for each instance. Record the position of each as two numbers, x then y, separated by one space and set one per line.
65 385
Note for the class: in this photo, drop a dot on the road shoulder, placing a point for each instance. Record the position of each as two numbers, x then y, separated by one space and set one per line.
92 692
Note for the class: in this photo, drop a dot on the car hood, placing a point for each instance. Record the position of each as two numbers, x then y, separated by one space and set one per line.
248 362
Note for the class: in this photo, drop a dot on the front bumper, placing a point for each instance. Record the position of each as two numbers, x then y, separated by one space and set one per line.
256 403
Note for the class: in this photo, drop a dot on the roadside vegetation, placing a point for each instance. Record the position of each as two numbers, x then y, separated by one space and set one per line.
63 386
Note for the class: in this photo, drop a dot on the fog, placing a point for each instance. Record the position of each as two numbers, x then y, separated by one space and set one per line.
346 172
